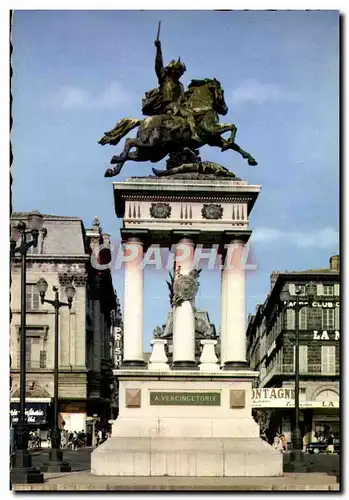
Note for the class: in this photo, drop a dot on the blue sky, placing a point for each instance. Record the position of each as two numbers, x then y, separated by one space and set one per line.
76 73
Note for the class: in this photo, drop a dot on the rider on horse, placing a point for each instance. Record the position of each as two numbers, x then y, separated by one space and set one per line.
168 98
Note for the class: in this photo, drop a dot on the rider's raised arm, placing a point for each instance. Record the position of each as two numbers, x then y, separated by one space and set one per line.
159 64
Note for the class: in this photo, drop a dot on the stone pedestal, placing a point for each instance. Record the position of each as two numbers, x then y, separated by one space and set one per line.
158 358
196 420
208 359
185 424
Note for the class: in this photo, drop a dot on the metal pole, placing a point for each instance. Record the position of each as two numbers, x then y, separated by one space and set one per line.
296 383
297 453
55 392
56 463
23 347
21 461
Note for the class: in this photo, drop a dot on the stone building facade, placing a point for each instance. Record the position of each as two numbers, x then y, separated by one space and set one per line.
65 254
271 350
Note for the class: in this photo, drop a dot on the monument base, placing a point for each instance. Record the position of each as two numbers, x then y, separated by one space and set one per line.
217 457
187 423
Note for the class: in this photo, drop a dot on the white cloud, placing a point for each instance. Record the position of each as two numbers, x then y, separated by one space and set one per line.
254 91
320 238
70 97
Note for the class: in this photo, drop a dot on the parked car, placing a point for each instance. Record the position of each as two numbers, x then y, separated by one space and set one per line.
321 446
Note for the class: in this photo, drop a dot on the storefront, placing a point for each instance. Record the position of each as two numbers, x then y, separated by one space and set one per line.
314 415
72 415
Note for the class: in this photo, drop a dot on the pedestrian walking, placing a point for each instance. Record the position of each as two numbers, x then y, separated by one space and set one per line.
330 446
99 437
283 442
75 441
277 442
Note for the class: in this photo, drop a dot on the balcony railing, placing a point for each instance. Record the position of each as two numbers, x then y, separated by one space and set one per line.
311 370
34 365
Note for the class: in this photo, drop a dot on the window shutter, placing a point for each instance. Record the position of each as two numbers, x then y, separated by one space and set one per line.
337 318
42 359
337 289
328 359
303 318
292 289
303 359
290 319
320 289
294 359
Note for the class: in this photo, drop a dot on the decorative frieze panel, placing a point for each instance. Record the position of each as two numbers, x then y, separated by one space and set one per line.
212 211
239 212
197 215
79 279
133 210
53 267
160 210
186 212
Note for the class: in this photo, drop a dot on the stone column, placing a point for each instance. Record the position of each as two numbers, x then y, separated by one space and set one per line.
133 304
233 312
183 315
223 310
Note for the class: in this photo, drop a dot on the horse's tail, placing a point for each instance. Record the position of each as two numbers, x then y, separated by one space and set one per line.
122 128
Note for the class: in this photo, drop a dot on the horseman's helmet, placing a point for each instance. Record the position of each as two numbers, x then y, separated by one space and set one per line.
176 66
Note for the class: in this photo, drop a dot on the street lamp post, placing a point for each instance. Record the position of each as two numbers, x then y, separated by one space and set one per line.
56 463
297 445
21 460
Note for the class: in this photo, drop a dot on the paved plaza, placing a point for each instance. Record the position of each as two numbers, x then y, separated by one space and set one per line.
81 479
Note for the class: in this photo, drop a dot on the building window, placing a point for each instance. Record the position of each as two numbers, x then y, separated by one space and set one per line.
328 290
293 287
32 298
303 318
303 358
35 356
328 359
328 319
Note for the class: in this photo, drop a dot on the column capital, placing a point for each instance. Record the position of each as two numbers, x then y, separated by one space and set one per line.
185 234
233 237
136 235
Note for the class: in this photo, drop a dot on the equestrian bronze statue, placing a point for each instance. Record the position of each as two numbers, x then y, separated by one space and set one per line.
178 123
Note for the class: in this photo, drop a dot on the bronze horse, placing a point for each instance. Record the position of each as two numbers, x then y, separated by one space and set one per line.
160 135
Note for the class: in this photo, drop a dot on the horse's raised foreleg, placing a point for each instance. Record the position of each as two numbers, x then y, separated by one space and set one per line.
222 128
124 156
244 154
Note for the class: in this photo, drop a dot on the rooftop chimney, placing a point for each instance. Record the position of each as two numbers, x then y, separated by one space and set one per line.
334 263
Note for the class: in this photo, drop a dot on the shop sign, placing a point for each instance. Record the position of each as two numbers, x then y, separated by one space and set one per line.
273 397
118 346
325 335
36 413
323 305
316 404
